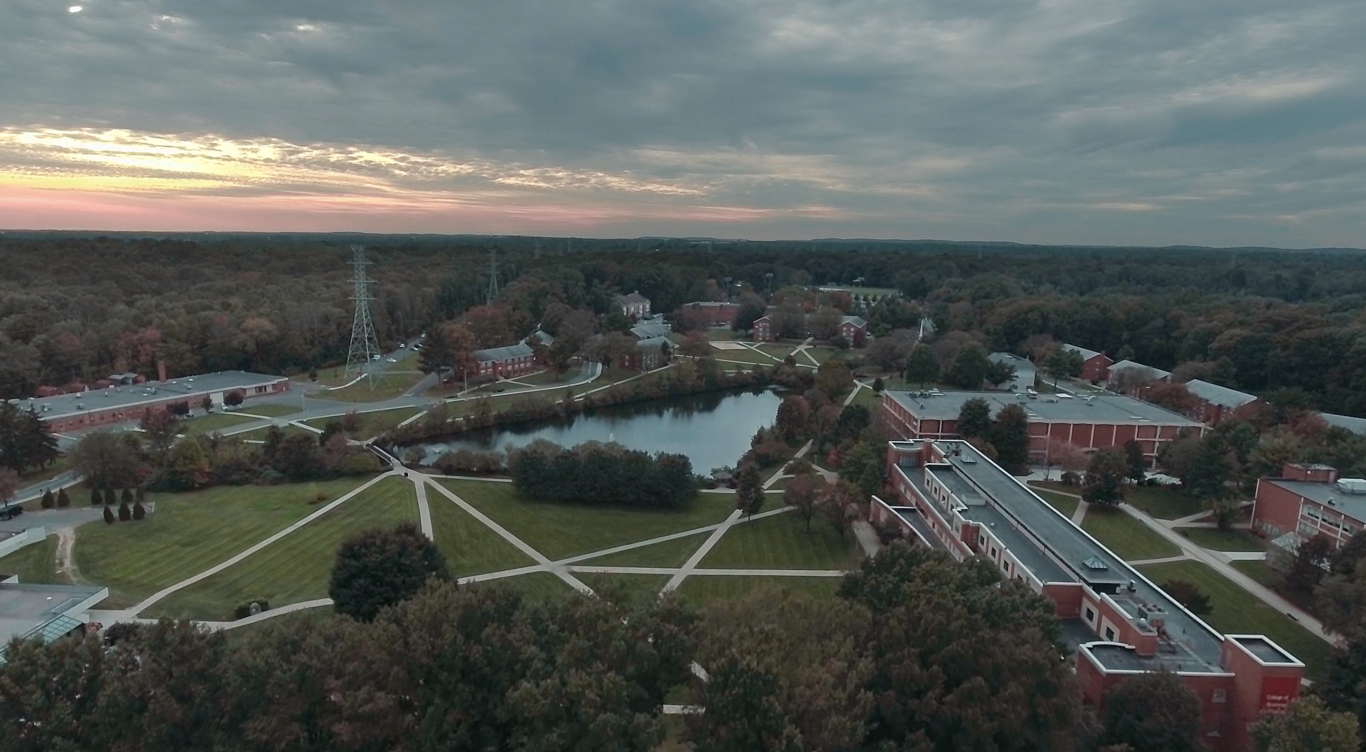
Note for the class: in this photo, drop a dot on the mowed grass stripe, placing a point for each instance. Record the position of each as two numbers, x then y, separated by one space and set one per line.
563 530
671 553
783 542
297 567
1126 536
35 563
188 533
469 546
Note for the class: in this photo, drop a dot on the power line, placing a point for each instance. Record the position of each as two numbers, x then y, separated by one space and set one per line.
364 344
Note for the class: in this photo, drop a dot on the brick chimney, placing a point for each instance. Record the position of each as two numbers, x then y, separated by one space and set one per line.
161 370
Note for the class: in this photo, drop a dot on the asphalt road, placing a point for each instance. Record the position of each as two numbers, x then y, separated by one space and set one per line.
53 519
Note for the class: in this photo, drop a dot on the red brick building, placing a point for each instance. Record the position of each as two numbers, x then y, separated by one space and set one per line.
713 313
651 353
506 362
1309 500
633 306
128 401
853 330
1217 403
948 496
1089 423
1095 366
762 331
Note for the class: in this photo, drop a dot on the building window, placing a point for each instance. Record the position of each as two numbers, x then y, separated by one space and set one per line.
1220 696
1090 615
1110 634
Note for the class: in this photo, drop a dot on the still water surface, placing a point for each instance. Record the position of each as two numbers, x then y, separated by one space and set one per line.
712 429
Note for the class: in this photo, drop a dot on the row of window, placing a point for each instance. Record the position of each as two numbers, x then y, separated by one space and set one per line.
1313 512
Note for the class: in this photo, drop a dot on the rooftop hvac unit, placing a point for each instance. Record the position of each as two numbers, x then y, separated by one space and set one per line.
1352 485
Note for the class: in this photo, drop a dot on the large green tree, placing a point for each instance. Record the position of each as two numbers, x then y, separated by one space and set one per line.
1153 712
970 367
922 365
1104 483
379 568
1009 434
974 419
1306 726
749 489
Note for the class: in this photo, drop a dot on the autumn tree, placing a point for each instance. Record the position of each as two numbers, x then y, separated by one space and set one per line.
379 568
1063 454
802 494
837 505
1104 483
833 378
1310 564
793 415
107 459
1153 712
160 427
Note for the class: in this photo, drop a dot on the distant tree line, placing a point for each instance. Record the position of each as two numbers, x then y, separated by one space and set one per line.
609 474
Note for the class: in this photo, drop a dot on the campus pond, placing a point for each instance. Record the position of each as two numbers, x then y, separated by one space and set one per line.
713 429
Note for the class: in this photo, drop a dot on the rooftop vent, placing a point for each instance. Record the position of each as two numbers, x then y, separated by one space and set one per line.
1095 564
1352 485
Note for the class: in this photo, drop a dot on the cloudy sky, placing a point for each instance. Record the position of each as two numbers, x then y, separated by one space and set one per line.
1219 122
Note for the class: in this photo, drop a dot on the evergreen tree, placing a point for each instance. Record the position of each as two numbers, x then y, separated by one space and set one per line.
922 366
1138 464
125 513
49 501
96 498
1105 475
63 500
108 516
1009 434
139 511
126 497
749 490
1063 363
379 568
109 497
974 419
1188 594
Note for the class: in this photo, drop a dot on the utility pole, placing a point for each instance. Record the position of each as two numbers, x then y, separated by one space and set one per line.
364 344
493 276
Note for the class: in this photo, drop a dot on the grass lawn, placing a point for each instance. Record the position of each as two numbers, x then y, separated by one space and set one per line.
868 398
1233 540
782 542
35 563
470 547
1259 571
699 591
1163 503
632 588
744 356
673 553
215 422
1059 501
777 351
386 386
548 377
260 433
190 532
373 423
268 411
820 354
537 586
562 530
1126 536
1236 611
297 567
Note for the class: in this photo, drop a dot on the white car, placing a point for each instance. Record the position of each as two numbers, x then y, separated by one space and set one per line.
390 360
374 357
402 345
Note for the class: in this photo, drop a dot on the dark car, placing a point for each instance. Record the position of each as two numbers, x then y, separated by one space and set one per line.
9 513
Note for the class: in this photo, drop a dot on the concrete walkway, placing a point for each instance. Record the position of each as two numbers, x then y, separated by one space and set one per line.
1214 561
1079 516
503 532
867 537
424 511
211 571
697 555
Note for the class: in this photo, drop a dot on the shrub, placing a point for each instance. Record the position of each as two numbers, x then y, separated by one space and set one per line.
63 500
139 511
49 501
116 633
244 610
96 498
108 516
127 496
125 513
109 497
1070 478
272 477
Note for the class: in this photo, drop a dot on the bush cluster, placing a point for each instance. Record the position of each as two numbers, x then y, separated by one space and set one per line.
595 473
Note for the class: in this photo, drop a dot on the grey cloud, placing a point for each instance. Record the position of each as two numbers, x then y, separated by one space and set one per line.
1126 121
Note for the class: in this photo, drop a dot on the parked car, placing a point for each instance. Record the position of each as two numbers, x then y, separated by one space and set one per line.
9 513
391 360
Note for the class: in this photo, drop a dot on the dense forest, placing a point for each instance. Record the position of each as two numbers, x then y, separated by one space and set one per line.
74 308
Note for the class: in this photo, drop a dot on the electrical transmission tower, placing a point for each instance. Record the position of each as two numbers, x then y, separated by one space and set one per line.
493 275
364 343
